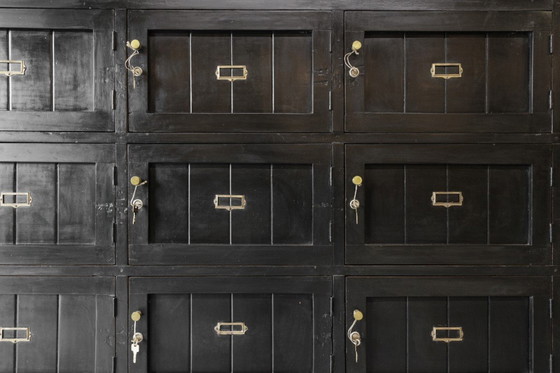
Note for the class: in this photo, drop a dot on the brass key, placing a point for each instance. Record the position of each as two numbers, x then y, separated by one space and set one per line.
137 204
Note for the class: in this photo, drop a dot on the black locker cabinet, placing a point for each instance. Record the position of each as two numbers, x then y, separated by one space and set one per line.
449 204
56 70
233 324
57 204
449 324
233 71
231 204
57 324
449 72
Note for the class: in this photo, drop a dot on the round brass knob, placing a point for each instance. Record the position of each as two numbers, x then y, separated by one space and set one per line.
135 180
136 316
356 45
357 180
135 44
358 315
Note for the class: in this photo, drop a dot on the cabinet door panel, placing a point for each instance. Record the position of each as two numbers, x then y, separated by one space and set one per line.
231 204
279 82
60 70
67 192
282 324
70 321
448 204
449 72
442 324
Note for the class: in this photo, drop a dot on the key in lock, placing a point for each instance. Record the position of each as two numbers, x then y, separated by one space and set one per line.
137 204
356 340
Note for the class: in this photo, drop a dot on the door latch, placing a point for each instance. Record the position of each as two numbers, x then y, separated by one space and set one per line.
135 70
355 203
136 336
353 335
353 71
136 203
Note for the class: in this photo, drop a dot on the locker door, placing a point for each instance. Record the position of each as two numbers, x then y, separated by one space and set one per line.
234 324
448 72
56 70
448 204
57 204
449 324
58 325
235 71
230 204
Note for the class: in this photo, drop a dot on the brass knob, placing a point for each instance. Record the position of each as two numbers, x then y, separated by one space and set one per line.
135 44
357 180
358 315
136 316
135 180
356 45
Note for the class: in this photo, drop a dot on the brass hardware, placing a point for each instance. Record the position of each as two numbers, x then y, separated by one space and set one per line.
136 316
135 180
231 68
353 71
445 66
137 203
358 315
134 44
15 204
230 206
447 203
8 72
135 70
355 203
354 336
241 328
15 339
458 338
357 180
136 337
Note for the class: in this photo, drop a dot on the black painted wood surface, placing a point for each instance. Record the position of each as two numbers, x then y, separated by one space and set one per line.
69 79
288 321
503 218
505 84
278 125
287 56
504 321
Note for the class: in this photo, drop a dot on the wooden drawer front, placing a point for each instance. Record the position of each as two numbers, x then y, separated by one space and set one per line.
71 212
287 320
446 204
186 217
285 56
70 321
504 324
61 70
491 72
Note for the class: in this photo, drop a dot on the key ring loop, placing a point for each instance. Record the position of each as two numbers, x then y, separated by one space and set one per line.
353 71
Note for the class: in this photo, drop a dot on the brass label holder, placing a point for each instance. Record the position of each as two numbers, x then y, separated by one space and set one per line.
21 70
230 205
436 67
231 77
15 204
436 201
458 329
231 328
15 339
